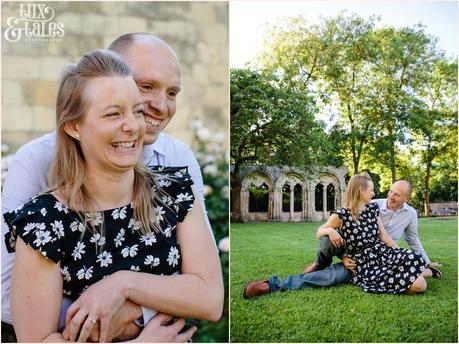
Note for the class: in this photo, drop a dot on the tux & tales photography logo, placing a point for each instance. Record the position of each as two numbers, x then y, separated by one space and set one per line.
34 22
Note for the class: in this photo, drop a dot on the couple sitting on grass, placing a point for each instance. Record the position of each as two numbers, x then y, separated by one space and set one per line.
364 235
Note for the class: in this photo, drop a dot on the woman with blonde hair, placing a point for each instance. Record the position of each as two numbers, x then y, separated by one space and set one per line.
109 225
380 265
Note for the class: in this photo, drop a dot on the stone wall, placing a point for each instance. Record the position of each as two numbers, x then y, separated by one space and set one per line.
197 31
445 208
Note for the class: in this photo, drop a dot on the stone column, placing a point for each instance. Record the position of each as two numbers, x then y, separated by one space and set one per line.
304 214
292 199
324 203
277 206
337 197
311 202
270 214
244 204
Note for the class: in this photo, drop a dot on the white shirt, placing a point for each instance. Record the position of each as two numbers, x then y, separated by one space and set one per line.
403 221
28 175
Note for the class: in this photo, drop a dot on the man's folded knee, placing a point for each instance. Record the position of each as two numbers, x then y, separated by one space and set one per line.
325 243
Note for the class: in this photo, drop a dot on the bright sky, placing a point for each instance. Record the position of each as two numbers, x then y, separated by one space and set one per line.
248 20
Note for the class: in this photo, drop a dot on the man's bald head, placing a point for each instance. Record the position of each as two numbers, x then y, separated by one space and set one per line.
122 43
406 186
399 193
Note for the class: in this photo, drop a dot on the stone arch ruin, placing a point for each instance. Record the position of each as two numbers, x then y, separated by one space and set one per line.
282 193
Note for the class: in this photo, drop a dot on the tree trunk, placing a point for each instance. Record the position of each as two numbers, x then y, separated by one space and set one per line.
392 156
356 167
392 167
235 198
426 195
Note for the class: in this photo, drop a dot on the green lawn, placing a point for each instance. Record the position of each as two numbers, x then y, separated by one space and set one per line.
342 313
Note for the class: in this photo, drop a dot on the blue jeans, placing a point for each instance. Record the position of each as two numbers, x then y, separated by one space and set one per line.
332 275
326 252
327 275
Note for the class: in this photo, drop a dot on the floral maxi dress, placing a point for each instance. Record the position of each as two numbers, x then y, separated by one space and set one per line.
380 268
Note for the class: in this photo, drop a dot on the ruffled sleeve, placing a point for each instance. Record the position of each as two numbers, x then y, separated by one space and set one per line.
175 184
32 223
341 212
374 208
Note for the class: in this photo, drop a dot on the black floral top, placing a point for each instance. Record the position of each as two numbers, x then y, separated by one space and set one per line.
85 256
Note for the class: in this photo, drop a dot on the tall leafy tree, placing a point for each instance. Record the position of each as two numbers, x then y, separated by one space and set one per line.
271 124
436 133
401 68
331 61
350 52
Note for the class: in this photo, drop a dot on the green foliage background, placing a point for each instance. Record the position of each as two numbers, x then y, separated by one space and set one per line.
213 159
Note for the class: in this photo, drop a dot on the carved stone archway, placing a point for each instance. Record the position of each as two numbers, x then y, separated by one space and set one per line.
257 178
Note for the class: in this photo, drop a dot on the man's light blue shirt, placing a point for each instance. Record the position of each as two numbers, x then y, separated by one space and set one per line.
403 221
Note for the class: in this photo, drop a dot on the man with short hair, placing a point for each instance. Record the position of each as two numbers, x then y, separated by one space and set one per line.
398 219
157 73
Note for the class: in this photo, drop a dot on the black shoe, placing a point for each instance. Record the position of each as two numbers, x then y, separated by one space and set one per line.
435 272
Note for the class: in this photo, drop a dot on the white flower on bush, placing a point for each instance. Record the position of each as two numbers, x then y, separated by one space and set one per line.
220 137
209 158
224 244
203 134
195 123
210 170
215 147
5 148
207 190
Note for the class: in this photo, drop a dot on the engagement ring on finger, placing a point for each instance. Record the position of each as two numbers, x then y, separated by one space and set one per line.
93 321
